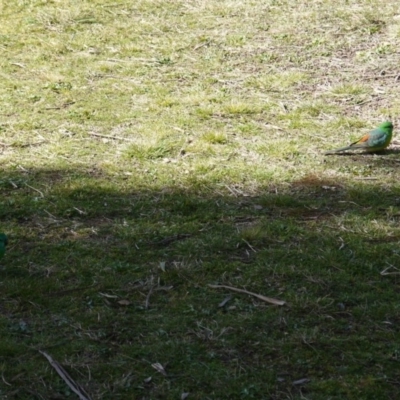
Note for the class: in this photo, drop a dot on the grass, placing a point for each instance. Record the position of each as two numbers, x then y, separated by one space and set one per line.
152 148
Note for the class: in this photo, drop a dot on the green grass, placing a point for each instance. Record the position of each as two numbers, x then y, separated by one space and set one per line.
152 148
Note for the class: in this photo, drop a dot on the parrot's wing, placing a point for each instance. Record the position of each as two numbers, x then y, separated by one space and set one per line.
375 138
362 142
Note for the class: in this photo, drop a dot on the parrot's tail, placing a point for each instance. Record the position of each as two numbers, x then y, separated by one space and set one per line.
339 150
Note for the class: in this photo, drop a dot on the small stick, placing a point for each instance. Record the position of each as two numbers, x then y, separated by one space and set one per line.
50 215
18 65
259 296
109 137
146 305
76 388
224 301
200 45
248 244
385 271
2 377
234 192
36 190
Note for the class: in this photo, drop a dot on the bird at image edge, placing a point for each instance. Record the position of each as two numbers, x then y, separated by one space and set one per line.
3 244
376 140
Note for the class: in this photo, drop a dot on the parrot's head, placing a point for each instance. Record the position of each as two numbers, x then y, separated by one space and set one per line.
387 125
3 239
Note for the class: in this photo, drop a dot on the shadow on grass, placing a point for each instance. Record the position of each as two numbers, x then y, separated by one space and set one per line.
110 274
361 154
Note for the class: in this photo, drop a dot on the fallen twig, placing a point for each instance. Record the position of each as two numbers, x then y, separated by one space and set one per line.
2 377
385 271
75 387
259 296
36 190
250 246
110 137
300 381
147 303
200 45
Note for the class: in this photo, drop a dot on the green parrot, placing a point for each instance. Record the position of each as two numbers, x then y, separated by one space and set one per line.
376 140
3 244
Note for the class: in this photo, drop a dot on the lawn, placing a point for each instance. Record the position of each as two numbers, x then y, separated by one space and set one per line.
150 149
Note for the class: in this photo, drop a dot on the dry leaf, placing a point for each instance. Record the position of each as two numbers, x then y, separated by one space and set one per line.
224 301
159 368
124 302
